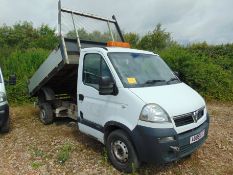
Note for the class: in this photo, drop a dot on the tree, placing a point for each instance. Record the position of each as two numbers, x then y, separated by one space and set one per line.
46 38
132 38
23 35
157 40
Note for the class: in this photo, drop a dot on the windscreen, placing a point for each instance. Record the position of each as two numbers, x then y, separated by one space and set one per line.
88 28
142 70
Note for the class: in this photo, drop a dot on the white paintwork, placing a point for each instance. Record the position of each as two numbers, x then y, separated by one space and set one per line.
176 99
2 87
2 84
92 132
125 108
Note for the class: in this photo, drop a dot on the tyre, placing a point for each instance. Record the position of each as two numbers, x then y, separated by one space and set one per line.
6 127
121 152
46 113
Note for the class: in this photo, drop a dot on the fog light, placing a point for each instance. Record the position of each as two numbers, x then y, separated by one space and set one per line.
166 139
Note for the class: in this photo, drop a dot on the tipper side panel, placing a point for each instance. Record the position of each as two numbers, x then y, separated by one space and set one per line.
52 62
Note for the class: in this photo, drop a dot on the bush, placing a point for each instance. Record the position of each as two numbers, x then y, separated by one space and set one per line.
23 36
201 72
206 68
23 64
22 49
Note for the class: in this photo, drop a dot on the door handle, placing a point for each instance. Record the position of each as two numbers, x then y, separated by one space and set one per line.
81 97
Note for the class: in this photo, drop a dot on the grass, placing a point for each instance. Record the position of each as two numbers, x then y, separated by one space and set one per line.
36 152
64 153
104 156
80 154
36 165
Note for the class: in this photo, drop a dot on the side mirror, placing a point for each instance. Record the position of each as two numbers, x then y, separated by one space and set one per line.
12 80
106 86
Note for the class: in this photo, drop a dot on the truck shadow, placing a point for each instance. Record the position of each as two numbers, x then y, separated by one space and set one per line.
88 142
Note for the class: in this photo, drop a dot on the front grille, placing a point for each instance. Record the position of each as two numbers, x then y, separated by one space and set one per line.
188 118
183 120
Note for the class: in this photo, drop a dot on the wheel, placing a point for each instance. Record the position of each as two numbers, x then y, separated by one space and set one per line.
121 152
46 113
6 127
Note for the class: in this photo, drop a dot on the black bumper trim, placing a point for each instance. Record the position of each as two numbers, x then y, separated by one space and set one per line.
151 150
91 124
4 114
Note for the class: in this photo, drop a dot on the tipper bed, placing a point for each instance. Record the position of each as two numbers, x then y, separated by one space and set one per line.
55 81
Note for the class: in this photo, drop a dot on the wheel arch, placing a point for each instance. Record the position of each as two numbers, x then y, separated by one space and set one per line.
112 126
48 93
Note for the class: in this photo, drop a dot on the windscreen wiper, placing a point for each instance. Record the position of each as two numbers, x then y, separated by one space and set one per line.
154 81
173 79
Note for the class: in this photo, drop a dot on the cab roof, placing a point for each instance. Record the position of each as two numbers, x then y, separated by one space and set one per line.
117 49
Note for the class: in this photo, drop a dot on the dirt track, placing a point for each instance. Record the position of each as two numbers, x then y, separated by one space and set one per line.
32 148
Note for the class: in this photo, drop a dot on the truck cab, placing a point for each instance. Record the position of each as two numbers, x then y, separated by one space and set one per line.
132 102
127 99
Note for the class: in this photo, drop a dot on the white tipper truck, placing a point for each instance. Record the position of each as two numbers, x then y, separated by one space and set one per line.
128 99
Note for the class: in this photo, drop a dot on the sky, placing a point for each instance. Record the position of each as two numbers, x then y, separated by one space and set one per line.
186 20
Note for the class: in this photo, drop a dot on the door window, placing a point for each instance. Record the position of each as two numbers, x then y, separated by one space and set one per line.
94 67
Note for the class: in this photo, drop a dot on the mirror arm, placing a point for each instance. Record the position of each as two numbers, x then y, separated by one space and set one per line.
176 74
115 90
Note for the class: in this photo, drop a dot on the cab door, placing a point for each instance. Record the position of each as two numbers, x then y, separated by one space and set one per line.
90 102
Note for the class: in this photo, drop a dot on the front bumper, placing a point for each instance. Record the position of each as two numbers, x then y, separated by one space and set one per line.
150 149
4 114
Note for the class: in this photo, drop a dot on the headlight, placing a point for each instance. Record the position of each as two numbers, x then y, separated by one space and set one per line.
154 113
2 97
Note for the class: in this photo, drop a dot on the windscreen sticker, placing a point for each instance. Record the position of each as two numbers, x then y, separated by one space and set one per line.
132 80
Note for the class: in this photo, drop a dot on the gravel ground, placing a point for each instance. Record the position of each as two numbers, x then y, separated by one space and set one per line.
32 148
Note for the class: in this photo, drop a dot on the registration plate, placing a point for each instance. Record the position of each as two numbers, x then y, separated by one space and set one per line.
197 137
